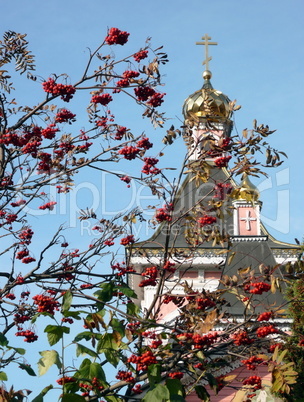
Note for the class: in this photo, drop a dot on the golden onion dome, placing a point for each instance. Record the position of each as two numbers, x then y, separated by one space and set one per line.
247 190
207 103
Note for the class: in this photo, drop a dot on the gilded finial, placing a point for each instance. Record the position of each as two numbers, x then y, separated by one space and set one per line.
206 74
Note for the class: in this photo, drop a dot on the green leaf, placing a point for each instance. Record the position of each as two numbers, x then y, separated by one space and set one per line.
87 335
175 388
72 398
97 371
154 374
82 350
112 398
133 309
106 292
55 333
21 351
127 291
3 340
28 369
118 326
281 356
159 393
48 359
3 376
39 398
84 369
202 393
112 356
107 341
73 314
67 300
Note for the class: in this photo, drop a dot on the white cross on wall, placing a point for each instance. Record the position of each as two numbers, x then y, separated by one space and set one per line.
248 219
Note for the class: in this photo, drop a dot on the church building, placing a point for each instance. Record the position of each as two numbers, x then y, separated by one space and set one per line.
231 237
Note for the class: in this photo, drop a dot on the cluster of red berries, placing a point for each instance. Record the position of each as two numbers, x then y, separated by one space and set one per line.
49 132
122 269
133 326
144 143
103 99
155 344
109 242
10 218
127 240
31 148
22 253
222 161
67 319
49 205
206 220
125 376
142 362
241 338
21 318
46 304
151 273
26 236
137 389
86 286
65 115
144 93
264 331
176 374
116 37
94 386
252 362
201 303
156 100
10 296
29 336
65 380
18 203
177 300
221 190
129 152
274 346
28 260
265 316
149 166
45 164
255 381
164 214
122 84
130 74
126 179
199 366
120 132
258 288
142 54
198 341
169 267
65 91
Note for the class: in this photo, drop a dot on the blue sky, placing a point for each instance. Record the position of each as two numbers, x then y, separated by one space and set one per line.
258 61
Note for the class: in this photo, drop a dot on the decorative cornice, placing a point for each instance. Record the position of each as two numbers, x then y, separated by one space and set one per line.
239 239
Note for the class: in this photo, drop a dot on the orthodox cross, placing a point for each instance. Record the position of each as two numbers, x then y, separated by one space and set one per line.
248 219
206 38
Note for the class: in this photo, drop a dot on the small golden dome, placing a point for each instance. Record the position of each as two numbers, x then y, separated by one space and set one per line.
207 103
247 190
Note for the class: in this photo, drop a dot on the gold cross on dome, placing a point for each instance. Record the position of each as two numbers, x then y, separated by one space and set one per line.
206 38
